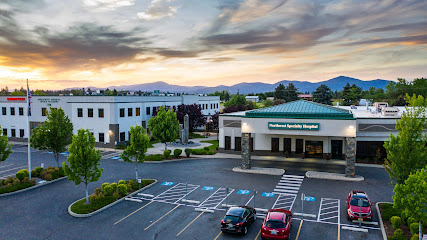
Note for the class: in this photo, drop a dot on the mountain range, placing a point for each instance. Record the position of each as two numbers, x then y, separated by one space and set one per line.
336 84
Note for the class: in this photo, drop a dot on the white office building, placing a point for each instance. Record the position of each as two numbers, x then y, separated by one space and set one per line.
109 118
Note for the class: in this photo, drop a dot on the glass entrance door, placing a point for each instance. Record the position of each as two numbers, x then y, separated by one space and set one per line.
314 149
336 149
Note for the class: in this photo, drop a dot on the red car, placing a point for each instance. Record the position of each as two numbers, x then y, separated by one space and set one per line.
356 212
277 224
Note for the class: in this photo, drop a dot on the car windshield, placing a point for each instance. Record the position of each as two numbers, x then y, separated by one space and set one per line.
274 224
230 218
355 202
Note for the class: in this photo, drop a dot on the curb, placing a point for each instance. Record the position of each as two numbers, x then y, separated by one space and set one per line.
108 206
333 176
175 160
381 219
33 187
265 171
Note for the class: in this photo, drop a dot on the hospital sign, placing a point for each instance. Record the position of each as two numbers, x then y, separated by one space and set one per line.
293 126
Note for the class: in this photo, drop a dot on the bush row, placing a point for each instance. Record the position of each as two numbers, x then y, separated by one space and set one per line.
20 181
48 174
397 219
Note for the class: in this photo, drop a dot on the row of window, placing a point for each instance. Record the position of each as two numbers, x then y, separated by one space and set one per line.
13 132
206 105
130 112
12 111
90 112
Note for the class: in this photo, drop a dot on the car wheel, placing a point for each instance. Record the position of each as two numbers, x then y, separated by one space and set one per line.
245 230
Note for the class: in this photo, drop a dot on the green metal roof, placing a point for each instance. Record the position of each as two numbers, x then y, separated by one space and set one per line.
301 109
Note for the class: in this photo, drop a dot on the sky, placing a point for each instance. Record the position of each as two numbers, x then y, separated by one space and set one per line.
80 43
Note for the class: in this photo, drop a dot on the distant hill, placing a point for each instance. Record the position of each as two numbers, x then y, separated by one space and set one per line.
336 84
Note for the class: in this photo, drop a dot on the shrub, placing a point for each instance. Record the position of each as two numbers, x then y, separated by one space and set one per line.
414 227
177 152
206 148
16 182
154 157
21 174
1 182
48 177
395 222
187 152
210 152
129 186
104 185
37 171
114 186
122 189
116 195
398 235
8 180
108 189
167 153
411 220
122 182
26 180
92 198
98 191
33 181
198 151
415 237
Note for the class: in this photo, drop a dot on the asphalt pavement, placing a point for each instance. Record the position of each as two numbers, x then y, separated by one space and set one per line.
42 213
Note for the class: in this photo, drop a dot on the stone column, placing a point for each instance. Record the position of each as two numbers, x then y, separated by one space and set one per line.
350 157
246 151
180 133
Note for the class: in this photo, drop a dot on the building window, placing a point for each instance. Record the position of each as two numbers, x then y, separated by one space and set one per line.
44 112
207 106
21 133
148 111
122 135
275 145
100 112
3 110
138 112
101 137
122 112
12 111
79 112
211 105
130 112
144 124
13 133
21 111
90 112
5 132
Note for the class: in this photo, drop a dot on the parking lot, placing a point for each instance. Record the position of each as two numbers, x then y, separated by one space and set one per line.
189 201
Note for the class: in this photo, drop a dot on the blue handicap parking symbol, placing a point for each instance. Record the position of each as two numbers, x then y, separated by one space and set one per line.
207 188
64 153
309 199
243 192
267 194
167 183
116 158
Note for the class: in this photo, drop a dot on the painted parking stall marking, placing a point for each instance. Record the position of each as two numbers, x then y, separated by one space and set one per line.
244 192
167 183
175 193
208 188
289 184
285 201
214 200
267 194
329 210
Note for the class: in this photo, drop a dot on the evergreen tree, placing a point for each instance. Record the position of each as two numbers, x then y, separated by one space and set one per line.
280 92
291 93
323 95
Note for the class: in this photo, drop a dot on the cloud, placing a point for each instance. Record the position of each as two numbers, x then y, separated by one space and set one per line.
158 9
85 46
177 54
108 4
409 40
218 59
401 27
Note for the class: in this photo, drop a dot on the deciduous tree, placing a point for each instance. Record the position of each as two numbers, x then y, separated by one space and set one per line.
138 145
84 160
5 147
54 134
164 126
196 117
406 152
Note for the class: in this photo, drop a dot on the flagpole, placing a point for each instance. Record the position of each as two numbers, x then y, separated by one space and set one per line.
29 129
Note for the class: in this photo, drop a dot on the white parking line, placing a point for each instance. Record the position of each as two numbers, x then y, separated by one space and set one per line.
289 184
6 165
285 201
329 213
214 200
10 169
